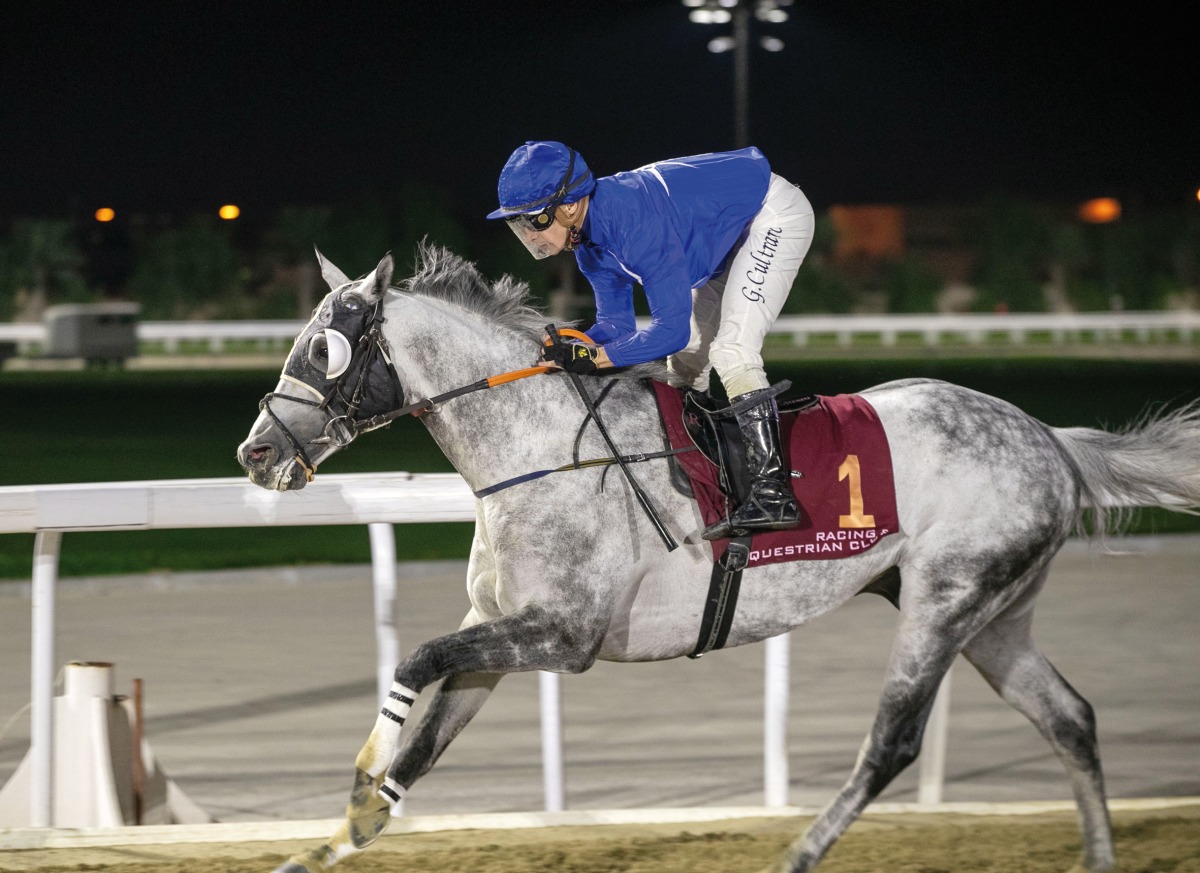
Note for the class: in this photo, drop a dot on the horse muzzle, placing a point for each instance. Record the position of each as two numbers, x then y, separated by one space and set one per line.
269 469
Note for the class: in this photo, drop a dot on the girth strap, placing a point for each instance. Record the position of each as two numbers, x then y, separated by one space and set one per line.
723 588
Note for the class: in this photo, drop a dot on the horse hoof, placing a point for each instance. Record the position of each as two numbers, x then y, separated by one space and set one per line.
365 827
316 860
368 813
291 867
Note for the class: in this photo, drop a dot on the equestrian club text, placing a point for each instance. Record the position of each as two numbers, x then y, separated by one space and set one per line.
834 541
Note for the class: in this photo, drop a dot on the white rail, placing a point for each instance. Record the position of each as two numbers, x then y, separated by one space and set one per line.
976 328
932 329
378 500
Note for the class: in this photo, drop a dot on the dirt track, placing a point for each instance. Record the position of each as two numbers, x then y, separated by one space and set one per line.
1166 841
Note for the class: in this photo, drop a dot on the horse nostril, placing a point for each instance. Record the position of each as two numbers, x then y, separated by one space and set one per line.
257 454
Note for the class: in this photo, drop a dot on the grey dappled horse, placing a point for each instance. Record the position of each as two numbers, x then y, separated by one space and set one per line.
563 571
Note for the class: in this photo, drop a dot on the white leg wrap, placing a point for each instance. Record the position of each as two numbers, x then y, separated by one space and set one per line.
393 791
381 745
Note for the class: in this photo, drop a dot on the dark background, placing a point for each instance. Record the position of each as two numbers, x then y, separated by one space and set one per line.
185 105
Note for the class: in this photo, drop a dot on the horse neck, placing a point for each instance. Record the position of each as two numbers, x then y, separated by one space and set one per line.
438 347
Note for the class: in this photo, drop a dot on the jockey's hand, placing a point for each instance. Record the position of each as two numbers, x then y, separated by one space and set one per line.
574 357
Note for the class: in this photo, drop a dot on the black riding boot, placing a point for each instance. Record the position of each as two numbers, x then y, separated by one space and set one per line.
770 504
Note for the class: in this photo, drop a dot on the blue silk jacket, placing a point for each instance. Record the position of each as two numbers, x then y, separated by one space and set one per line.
670 227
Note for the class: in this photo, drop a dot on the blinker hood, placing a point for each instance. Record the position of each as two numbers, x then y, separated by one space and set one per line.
338 351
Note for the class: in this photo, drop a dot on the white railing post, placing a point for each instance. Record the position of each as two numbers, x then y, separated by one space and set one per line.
549 690
41 704
933 747
383 574
775 715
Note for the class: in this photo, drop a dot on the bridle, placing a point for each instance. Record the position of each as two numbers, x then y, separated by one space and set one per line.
341 404
342 425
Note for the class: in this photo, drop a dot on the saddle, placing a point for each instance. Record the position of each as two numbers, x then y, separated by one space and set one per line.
841 473
835 447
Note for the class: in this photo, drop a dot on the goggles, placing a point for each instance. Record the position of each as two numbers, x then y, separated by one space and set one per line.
529 230
535 221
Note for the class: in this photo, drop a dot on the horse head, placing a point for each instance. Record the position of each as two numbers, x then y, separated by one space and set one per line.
337 375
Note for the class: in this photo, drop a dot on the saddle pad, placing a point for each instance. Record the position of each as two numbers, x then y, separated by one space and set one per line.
847 493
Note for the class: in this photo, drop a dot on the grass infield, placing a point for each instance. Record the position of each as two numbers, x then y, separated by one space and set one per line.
104 426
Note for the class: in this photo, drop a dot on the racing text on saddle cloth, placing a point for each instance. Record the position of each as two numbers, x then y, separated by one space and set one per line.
856 530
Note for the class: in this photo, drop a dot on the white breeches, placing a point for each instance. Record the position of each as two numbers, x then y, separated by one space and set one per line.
732 312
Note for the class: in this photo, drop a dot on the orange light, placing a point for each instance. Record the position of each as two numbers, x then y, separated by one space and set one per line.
229 212
1101 210
105 214
1198 193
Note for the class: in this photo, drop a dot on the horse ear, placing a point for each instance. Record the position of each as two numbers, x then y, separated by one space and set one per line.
383 276
334 277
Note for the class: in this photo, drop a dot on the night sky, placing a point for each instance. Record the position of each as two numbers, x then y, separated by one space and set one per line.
182 105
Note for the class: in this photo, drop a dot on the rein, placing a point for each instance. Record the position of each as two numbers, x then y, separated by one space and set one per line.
581 465
422 406
344 428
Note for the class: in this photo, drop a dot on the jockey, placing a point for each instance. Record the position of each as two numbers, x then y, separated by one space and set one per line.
715 240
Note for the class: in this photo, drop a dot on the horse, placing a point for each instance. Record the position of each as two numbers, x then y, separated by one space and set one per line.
569 565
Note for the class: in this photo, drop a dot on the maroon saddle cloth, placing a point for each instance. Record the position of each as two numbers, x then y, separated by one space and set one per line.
845 486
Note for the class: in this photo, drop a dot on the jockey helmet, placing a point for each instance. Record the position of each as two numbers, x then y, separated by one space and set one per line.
538 178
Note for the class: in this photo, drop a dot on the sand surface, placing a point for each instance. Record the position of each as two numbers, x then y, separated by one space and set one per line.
1158 841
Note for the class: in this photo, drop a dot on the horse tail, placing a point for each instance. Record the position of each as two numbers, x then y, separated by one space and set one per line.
1153 462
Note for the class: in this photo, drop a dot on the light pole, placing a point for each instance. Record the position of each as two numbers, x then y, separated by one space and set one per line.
739 11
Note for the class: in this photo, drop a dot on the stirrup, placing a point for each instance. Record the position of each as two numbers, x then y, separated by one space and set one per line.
726 528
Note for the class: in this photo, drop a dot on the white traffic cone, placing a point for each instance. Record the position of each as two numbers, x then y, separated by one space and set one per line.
95 784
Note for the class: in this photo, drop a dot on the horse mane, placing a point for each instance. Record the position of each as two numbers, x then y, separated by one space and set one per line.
441 274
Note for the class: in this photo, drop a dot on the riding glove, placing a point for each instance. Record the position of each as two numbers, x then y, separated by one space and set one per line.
572 357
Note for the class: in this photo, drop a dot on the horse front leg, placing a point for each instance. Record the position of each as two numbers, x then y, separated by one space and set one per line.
455 702
532 639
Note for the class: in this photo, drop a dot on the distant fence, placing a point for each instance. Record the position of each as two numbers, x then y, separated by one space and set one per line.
926 330
1181 326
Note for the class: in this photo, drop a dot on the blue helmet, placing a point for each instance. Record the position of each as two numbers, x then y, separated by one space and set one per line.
541 176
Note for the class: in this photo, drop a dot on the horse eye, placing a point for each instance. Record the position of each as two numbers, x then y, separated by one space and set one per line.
318 352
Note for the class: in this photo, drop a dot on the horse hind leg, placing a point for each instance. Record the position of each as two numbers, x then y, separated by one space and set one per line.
1006 657
920 658
950 598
